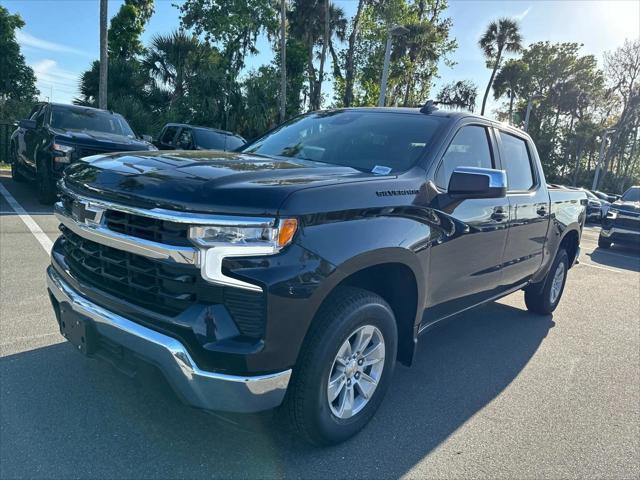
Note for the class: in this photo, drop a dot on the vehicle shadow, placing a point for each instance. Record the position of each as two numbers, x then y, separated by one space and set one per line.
25 194
64 416
618 256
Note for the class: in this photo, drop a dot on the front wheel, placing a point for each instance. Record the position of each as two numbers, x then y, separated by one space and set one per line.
345 367
544 298
45 184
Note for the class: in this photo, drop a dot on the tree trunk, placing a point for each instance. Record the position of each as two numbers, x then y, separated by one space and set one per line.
283 60
493 74
323 57
104 56
349 71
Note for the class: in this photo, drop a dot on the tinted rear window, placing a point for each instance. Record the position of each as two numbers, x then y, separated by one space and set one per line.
209 140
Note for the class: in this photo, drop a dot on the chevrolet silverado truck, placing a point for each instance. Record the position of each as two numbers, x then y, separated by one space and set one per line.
621 225
296 272
56 135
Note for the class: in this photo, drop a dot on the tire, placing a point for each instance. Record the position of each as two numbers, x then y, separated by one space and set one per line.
544 297
45 185
311 414
604 242
16 175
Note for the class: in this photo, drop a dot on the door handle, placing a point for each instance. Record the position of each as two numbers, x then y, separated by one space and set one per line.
499 215
542 211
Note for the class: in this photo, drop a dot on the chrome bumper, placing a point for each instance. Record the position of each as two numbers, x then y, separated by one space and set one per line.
618 231
202 389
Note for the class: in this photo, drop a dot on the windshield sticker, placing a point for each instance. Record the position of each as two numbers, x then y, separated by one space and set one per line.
381 170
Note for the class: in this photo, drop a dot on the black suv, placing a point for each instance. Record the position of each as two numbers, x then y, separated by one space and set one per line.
180 136
55 135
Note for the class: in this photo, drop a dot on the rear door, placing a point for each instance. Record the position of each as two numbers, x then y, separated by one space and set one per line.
528 208
466 257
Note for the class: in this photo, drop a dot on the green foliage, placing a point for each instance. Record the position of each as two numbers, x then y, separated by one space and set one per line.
232 24
415 56
17 80
460 95
127 26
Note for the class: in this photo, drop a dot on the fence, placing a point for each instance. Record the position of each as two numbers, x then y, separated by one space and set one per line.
5 133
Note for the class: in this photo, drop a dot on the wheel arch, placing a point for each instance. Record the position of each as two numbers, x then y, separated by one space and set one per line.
395 275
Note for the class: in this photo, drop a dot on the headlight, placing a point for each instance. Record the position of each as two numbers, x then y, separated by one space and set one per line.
217 242
274 237
61 153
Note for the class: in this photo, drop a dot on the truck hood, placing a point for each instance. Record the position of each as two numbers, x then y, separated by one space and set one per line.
99 140
203 181
632 207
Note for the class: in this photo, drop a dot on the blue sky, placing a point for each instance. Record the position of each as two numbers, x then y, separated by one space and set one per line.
61 37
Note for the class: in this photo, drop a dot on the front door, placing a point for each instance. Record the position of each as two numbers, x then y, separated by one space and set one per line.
467 249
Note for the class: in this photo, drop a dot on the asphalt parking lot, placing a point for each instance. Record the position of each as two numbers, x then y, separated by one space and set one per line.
496 393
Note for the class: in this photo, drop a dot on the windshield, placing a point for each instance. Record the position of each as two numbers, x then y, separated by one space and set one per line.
371 141
631 195
209 140
85 119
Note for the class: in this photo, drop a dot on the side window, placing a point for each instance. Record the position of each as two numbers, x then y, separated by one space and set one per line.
34 112
41 115
517 162
185 139
167 136
469 148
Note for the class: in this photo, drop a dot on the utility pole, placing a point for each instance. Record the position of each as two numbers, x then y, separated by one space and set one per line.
283 59
104 56
603 143
397 31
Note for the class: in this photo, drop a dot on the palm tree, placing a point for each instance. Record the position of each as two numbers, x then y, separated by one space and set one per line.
508 82
309 24
104 55
501 36
173 59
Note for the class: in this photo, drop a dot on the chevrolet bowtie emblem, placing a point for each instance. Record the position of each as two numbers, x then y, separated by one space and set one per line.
87 212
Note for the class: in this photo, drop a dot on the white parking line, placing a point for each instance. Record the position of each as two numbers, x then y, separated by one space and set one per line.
42 237
600 267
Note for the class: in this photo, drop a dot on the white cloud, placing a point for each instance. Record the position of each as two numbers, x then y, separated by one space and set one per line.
523 14
27 40
56 82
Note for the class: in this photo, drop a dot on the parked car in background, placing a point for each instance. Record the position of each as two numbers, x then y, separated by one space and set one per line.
181 136
301 267
605 196
56 135
622 222
596 207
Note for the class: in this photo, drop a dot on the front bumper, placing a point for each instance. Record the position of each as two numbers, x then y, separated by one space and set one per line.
621 235
199 388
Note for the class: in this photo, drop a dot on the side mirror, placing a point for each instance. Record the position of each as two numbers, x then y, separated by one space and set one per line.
474 182
27 124
147 138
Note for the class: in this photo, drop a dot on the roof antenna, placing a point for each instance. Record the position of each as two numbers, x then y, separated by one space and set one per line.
429 107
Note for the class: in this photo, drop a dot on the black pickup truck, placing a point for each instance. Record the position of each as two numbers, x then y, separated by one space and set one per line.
55 135
298 270
622 222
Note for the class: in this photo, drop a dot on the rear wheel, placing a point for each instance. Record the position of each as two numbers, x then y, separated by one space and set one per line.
604 242
344 368
45 184
544 298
